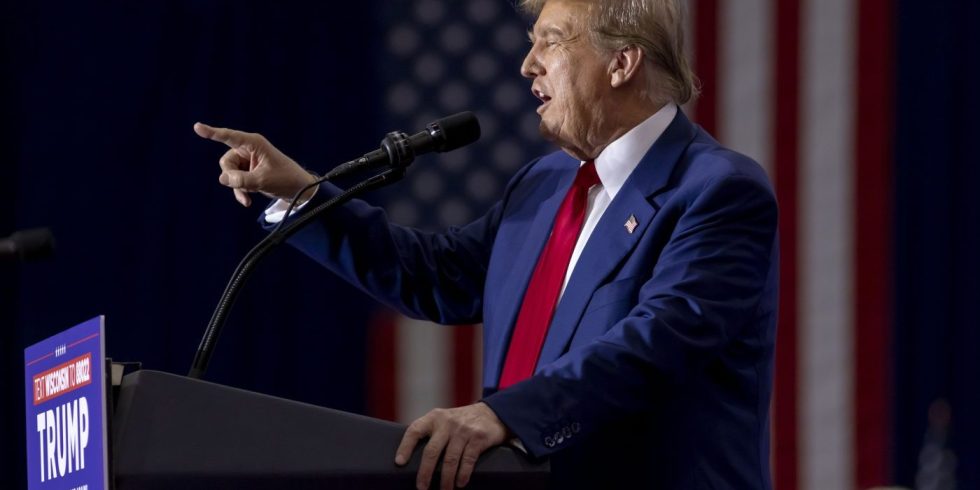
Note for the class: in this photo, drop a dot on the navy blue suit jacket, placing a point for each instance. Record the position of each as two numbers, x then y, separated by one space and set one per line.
657 368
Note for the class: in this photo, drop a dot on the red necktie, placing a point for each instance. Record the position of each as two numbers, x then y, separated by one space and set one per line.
545 286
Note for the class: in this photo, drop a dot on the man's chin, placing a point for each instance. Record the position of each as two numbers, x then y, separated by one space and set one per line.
548 132
564 144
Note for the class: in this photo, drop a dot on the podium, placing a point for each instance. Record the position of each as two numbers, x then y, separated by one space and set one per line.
171 431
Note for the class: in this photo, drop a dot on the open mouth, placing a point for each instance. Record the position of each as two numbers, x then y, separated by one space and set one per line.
543 97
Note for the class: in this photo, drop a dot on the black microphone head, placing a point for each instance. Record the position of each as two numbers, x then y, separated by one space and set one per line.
454 131
34 244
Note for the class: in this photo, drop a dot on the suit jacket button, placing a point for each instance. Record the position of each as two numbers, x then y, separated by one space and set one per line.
549 442
576 427
566 431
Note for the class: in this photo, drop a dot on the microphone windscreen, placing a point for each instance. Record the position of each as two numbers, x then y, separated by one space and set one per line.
457 130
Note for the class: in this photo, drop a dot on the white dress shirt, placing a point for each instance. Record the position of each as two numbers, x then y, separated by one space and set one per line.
614 165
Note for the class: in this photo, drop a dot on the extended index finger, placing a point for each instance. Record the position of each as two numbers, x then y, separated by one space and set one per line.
230 137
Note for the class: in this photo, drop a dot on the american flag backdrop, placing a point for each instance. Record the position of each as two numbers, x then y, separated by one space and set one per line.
794 84
443 57
817 76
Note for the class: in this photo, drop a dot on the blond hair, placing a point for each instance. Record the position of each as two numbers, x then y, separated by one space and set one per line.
655 26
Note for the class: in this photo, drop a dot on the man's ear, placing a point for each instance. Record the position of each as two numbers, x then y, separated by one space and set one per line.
624 65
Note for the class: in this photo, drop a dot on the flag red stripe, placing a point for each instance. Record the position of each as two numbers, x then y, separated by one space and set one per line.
785 170
382 389
873 255
706 29
464 369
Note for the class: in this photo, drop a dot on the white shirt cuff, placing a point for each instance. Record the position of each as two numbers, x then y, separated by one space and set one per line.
275 213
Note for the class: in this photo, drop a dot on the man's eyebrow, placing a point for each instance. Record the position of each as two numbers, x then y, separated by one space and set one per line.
545 32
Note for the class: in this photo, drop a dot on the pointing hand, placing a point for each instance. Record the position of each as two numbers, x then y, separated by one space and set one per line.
252 164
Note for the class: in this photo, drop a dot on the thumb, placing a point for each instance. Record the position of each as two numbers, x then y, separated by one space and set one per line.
238 179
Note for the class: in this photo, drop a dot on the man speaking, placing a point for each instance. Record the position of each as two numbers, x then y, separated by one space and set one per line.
627 285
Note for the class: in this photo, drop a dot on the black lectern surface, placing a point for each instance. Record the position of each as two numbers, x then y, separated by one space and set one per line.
171 432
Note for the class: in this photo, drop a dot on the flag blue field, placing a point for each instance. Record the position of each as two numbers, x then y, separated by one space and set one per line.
442 58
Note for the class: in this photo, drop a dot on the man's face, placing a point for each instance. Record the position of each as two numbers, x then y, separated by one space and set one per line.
570 76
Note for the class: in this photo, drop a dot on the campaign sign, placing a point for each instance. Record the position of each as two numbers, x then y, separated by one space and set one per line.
66 413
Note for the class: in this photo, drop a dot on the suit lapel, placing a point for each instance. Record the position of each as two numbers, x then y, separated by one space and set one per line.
536 233
610 242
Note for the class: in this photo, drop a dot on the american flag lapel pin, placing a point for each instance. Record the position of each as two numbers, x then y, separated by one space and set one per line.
631 224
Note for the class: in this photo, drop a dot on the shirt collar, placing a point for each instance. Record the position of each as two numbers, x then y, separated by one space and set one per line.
615 164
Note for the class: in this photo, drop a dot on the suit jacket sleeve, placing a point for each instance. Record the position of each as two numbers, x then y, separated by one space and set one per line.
433 276
706 287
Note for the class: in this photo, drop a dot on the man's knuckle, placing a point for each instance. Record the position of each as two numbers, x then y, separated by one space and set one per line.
430 453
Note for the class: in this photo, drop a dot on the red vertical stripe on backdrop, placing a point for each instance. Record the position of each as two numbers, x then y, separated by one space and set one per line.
382 389
874 110
706 63
464 370
785 170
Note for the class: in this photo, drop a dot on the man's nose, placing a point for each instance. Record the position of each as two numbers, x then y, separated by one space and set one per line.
531 68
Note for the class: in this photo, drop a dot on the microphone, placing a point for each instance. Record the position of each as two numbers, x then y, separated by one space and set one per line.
25 245
399 149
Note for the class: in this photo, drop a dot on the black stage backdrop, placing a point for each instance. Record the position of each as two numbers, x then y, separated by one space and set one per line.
937 215
99 99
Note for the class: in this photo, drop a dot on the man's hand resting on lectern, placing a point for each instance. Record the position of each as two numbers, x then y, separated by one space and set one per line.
463 432
252 164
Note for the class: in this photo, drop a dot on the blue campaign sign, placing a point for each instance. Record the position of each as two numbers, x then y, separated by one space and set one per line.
67 440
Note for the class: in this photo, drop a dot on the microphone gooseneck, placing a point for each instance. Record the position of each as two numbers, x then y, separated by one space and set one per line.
244 269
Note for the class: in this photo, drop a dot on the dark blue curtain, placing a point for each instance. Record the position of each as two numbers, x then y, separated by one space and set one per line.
98 101
937 233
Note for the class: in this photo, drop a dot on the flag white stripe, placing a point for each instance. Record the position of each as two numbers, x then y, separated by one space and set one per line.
746 78
826 244
423 376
